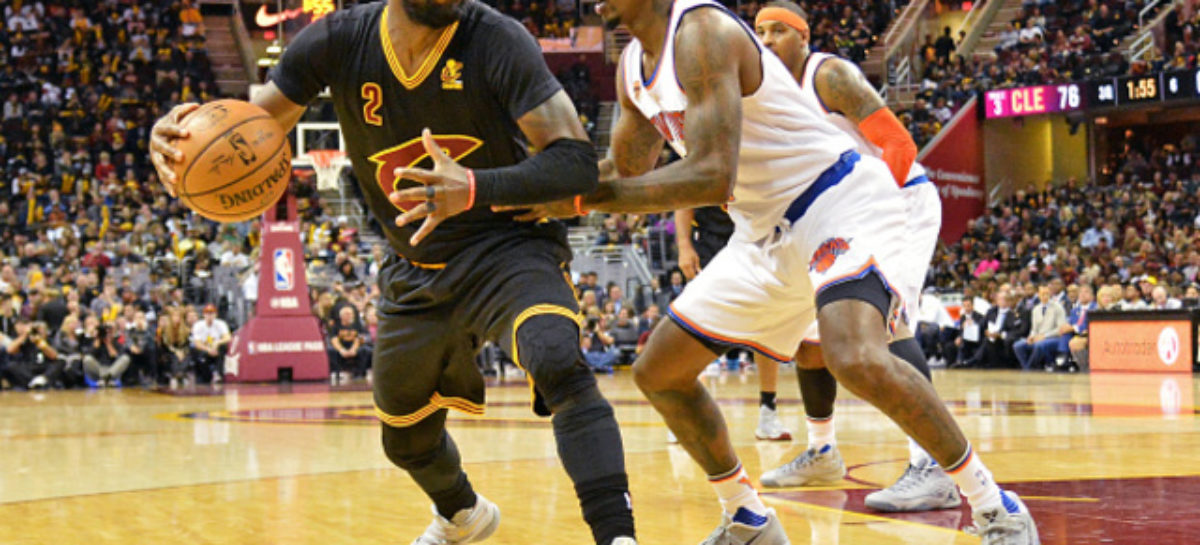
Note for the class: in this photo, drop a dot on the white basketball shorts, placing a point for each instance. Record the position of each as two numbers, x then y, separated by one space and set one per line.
762 294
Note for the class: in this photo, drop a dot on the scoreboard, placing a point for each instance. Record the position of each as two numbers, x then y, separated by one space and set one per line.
1145 89
1182 84
1041 99
1105 93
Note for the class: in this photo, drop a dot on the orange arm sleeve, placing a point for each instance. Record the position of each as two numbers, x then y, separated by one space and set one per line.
899 151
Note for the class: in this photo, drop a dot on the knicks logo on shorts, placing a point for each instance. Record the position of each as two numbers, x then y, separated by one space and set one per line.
827 253
412 154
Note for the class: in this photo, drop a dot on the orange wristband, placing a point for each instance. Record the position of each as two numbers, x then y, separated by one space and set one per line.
883 129
579 206
471 190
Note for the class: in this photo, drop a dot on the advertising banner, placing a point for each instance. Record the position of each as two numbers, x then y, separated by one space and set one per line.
954 160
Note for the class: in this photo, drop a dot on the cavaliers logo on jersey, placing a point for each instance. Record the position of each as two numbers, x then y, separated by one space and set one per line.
827 253
452 75
411 154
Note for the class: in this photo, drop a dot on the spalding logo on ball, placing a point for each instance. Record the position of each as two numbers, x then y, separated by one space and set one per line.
236 161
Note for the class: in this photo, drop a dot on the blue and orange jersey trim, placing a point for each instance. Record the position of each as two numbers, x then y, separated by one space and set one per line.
698 331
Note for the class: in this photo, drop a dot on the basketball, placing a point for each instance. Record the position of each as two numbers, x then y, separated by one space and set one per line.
236 161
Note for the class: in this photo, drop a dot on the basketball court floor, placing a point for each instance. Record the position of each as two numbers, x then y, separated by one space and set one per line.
1099 459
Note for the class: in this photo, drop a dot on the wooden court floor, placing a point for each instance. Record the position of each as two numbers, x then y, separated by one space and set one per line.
1099 459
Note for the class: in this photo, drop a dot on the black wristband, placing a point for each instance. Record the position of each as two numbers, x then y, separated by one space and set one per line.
565 168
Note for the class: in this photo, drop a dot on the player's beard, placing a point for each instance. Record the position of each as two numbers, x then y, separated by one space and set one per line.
432 14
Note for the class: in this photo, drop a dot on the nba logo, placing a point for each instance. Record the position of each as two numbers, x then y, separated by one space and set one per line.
285 274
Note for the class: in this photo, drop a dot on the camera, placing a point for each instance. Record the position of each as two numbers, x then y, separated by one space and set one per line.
38 330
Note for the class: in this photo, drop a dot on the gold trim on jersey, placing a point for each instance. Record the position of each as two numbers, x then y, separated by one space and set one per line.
436 403
426 266
431 60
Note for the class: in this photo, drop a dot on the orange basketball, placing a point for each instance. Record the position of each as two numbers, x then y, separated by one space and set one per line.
236 161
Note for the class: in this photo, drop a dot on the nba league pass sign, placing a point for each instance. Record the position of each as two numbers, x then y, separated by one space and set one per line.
283 332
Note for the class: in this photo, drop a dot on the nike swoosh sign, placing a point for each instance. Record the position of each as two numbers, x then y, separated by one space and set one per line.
266 20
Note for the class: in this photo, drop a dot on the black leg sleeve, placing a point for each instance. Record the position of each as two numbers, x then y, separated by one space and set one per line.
818 389
430 456
910 351
589 441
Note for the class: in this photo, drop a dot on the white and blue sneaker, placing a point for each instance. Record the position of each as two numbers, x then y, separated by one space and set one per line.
467 526
921 488
746 527
1010 524
812 467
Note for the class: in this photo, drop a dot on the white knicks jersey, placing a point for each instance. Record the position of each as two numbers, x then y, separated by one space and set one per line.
786 144
808 89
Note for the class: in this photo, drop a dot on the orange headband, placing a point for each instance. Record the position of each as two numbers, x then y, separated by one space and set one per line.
784 16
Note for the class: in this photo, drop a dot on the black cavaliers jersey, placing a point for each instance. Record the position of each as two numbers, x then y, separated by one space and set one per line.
714 221
483 74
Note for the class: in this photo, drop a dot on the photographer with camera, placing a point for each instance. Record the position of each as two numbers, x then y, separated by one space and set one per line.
104 358
624 332
69 344
32 362
597 346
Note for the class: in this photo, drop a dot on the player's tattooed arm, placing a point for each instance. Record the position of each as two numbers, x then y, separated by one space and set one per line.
713 50
636 144
844 89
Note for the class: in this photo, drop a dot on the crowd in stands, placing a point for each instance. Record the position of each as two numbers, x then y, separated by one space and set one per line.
546 19
1131 241
105 280
844 27
1181 43
103 277
617 325
1048 42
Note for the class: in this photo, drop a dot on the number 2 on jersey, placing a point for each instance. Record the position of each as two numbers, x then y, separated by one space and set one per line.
374 97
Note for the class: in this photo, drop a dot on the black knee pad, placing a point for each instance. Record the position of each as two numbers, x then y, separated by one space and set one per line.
580 410
548 349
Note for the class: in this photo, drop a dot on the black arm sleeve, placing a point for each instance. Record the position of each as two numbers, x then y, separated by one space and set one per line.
520 80
564 169
304 68
516 71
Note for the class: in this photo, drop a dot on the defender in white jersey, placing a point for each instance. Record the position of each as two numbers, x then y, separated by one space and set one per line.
836 86
818 229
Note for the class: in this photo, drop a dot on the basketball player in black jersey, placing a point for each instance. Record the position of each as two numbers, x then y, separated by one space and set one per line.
457 82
